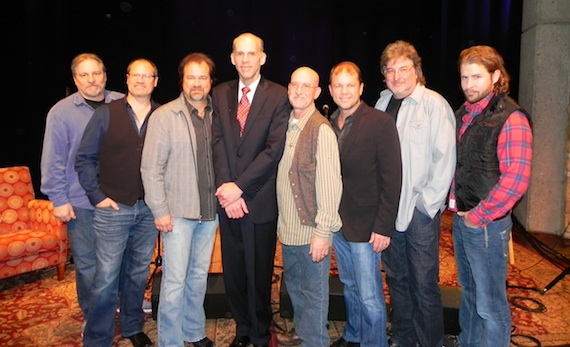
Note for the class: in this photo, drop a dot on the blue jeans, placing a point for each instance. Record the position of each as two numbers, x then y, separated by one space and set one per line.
187 254
308 287
411 263
481 255
82 238
125 241
359 272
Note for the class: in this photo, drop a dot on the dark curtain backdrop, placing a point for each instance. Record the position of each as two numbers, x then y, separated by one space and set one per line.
40 37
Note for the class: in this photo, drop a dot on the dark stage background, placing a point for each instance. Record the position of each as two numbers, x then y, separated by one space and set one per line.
40 37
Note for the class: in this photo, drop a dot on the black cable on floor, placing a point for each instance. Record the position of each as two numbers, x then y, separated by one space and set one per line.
523 341
523 303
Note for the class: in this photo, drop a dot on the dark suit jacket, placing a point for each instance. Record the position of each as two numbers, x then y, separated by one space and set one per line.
250 161
371 174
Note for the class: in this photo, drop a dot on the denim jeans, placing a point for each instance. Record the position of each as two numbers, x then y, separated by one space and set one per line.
82 238
411 263
481 255
187 254
359 272
308 287
125 241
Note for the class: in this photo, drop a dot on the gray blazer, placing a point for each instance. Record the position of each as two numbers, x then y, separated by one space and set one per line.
168 166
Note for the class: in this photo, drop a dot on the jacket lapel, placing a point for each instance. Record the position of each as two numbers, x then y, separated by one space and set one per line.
232 110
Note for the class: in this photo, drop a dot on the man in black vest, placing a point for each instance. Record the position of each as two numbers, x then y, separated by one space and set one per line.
494 152
108 165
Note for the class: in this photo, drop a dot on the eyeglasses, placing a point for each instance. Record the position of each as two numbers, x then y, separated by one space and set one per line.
304 86
141 75
86 75
404 71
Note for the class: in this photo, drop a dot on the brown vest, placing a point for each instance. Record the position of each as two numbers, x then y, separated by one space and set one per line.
302 173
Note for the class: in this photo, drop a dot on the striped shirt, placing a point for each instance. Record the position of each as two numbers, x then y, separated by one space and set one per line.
514 151
328 187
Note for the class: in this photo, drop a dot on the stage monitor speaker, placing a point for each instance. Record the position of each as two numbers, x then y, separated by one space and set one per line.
450 298
337 310
215 302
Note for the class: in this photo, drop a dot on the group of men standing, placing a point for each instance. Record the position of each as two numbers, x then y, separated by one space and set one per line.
262 162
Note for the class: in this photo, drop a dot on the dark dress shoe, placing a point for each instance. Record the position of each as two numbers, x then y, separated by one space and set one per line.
259 345
241 341
205 342
341 342
140 340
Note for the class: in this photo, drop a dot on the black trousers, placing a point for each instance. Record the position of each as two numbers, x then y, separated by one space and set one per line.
248 254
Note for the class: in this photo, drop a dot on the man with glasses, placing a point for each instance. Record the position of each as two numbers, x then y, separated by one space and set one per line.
108 165
65 124
309 188
426 128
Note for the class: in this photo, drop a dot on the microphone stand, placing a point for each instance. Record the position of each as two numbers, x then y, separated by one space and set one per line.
326 111
157 261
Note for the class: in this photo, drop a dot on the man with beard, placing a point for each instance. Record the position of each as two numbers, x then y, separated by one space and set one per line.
494 152
178 178
65 124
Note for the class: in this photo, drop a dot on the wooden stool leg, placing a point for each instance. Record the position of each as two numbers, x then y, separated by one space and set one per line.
511 250
60 271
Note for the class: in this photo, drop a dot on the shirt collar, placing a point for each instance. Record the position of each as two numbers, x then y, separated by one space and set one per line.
304 119
252 88
479 106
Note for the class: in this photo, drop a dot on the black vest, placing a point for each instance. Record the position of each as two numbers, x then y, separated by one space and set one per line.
120 157
477 169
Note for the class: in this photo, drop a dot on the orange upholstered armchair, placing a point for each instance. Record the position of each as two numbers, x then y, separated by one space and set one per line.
30 237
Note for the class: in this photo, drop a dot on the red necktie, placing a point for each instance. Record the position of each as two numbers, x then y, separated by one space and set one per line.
243 109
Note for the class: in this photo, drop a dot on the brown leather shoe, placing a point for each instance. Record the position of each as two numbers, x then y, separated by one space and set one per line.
288 339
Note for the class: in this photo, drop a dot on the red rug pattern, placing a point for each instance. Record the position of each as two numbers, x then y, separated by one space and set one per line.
38 310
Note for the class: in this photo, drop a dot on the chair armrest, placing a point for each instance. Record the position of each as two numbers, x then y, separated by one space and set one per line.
42 218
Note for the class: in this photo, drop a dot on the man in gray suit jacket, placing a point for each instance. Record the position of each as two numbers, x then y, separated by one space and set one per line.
246 152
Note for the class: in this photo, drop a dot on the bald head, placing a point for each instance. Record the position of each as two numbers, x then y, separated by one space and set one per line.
303 90
248 57
249 37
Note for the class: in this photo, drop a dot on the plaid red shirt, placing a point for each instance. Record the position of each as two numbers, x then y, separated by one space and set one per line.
514 150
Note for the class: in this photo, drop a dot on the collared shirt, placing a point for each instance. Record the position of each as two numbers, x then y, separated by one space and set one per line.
341 133
252 88
65 124
426 129
328 186
514 151
169 162
87 159
203 156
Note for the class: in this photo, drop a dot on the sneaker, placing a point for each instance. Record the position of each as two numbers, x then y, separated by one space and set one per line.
147 306
83 325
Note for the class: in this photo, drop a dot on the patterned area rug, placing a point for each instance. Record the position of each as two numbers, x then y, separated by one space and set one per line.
38 310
